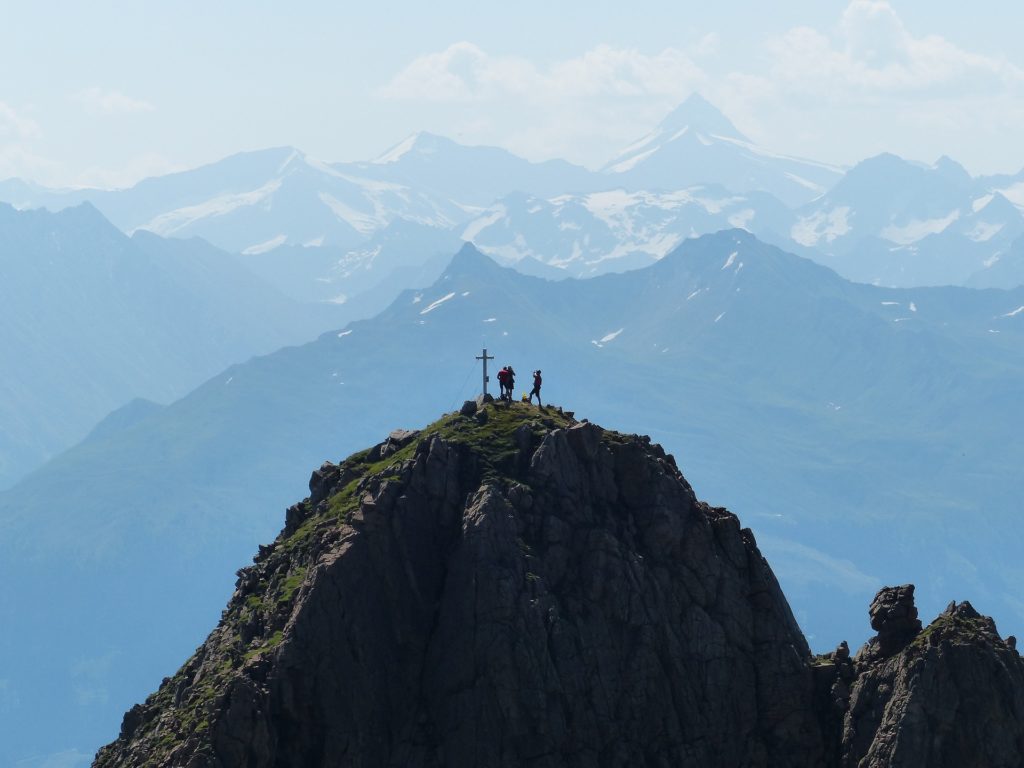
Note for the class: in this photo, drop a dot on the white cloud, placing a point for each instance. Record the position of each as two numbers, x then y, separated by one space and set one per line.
138 168
450 75
20 160
464 72
868 84
581 108
872 55
14 125
862 85
102 101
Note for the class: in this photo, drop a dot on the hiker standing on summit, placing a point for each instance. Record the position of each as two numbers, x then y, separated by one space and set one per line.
511 382
536 388
503 379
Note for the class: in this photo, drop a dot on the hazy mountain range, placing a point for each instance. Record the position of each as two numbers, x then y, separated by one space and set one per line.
145 451
817 408
92 318
886 221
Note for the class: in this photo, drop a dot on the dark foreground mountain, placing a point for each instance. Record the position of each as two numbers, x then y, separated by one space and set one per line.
511 587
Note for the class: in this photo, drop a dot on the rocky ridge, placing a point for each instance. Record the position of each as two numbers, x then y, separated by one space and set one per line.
510 586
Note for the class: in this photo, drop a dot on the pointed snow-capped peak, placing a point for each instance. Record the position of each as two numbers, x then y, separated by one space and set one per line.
695 120
701 116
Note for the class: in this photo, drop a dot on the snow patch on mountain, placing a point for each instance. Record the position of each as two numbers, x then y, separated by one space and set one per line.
166 224
363 223
438 303
805 182
295 155
916 229
475 227
660 245
808 230
716 205
1014 193
611 206
979 203
631 162
269 245
398 151
984 231
742 219
755 149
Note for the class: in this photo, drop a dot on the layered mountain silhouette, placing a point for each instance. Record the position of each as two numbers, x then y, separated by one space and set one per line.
255 201
616 230
893 222
93 318
471 175
825 411
886 221
510 586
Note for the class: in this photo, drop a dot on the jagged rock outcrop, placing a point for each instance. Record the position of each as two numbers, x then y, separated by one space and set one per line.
949 695
510 587
894 617
529 591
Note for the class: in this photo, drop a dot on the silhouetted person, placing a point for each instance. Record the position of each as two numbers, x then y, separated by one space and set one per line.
503 382
511 382
536 387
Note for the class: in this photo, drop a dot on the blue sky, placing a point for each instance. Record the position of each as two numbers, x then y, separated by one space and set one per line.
107 92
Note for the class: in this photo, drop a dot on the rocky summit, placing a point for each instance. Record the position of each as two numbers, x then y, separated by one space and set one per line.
513 587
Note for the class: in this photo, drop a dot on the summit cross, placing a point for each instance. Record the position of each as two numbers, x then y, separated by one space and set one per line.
485 357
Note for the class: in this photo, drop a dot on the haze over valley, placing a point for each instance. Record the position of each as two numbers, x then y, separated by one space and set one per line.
824 333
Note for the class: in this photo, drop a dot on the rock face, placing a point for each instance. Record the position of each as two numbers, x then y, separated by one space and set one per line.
526 590
894 617
953 695
530 591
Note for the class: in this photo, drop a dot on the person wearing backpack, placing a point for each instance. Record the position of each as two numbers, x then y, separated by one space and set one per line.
536 387
511 382
503 383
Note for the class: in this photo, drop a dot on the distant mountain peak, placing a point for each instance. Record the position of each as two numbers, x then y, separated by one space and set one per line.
949 167
81 217
420 142
695 144
470 260
698 114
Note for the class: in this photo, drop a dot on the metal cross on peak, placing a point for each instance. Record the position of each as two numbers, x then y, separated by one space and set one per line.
485 357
